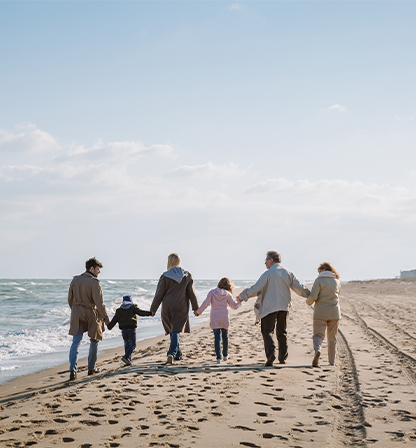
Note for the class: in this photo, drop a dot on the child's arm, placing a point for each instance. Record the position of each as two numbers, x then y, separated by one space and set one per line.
204 306
140 312
114 320
233 305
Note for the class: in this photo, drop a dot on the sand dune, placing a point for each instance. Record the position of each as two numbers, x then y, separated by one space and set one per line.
367 399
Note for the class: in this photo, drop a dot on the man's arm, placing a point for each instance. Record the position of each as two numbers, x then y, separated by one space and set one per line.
71 294
97 296
299 288
256 288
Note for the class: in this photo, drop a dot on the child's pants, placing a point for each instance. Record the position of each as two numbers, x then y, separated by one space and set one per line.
217 342
129 336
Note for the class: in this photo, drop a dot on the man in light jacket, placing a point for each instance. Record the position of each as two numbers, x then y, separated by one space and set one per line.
273 289
88 313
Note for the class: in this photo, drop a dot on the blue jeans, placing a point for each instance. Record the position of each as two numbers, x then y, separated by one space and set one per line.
129 336
217 342
174 349
73 352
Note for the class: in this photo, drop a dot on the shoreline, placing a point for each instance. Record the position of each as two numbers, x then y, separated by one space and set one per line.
367 399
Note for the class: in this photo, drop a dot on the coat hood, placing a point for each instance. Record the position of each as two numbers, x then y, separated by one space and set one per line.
176 273
327 274
220 294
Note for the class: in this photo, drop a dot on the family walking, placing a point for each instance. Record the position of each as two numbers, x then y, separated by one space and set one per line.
175 293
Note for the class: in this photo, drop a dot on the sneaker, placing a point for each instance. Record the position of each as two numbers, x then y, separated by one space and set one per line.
94 371
225 358
219 361
72 376
270 360
170 360
315 362
126 361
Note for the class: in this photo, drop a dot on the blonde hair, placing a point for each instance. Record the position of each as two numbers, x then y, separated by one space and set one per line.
328 267
227 284
173 260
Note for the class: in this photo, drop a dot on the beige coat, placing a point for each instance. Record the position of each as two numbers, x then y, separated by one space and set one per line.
88 312
325 292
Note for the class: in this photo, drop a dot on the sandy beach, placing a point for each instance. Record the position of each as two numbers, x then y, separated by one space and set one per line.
367 399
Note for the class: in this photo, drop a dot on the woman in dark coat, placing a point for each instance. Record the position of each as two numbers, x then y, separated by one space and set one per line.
174 291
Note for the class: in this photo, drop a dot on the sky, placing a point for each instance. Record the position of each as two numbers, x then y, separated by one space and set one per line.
215 129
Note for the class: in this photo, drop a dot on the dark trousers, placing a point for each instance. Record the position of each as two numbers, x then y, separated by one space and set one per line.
129 336
276 320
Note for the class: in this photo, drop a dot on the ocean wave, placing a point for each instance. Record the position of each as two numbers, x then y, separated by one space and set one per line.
9 368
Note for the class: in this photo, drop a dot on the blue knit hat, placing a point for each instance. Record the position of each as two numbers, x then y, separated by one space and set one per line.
127 302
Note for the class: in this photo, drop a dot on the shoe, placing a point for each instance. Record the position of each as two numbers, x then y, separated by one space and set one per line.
170 360
219 361
94 371
126 361
283 362
72 376
225 358
270 361
315 362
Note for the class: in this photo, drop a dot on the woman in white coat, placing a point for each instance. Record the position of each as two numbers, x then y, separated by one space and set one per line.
327 313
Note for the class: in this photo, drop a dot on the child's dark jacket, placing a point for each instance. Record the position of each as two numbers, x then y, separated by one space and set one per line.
127 317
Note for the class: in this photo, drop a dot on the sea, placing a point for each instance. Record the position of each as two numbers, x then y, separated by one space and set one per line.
34 320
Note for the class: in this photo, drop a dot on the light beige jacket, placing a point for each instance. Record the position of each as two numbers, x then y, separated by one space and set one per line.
274 287
88 312
325 292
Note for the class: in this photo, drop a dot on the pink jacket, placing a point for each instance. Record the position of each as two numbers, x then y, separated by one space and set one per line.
219 299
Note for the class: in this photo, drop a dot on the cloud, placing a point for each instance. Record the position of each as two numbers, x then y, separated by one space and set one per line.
236 7
27 138
121 150
335 108
406 120
207 170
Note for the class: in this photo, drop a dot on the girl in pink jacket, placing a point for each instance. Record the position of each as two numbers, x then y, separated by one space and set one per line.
220 299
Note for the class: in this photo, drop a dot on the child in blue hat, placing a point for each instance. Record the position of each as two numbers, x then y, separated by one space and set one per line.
126 316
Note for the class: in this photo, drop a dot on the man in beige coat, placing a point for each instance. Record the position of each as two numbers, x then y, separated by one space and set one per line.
88 313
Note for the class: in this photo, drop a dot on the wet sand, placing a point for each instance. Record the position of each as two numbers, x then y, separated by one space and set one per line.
367 399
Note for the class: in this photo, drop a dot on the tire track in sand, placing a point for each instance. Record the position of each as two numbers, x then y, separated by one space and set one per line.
348 426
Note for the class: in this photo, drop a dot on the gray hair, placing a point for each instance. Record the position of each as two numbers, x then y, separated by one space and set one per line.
273 255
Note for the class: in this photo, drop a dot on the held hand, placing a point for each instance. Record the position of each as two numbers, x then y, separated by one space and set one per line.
238 299
153 314
196 314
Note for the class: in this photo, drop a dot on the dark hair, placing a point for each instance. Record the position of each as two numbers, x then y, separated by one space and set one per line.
272 254
92 263
328 267
227 284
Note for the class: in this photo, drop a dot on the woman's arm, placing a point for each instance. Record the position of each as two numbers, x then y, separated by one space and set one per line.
191 294
314 295
159 295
